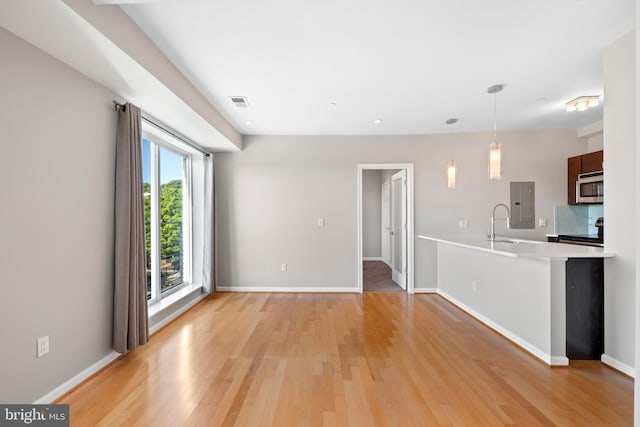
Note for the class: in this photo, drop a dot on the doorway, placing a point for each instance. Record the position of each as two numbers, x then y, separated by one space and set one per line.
396 229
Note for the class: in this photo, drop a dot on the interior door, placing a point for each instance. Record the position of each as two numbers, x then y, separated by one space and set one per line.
399 228
385 215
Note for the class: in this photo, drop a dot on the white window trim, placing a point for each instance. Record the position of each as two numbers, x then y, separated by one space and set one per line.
154 150
158 141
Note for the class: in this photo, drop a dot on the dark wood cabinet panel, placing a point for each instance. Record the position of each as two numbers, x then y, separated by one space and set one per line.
592 162
574 169
585 308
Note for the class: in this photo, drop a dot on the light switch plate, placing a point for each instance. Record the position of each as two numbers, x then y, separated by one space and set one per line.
43 346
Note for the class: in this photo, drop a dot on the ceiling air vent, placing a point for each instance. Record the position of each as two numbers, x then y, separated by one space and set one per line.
239 101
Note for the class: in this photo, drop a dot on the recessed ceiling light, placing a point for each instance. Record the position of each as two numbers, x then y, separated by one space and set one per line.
248 122
377 121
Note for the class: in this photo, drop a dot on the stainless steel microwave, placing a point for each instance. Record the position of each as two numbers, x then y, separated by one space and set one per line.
590 187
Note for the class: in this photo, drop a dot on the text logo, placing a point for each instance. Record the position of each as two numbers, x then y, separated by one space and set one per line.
34 415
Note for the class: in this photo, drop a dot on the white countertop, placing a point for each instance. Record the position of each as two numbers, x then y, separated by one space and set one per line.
524 248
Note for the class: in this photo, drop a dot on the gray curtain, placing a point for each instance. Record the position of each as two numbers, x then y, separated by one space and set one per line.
130 321
208 252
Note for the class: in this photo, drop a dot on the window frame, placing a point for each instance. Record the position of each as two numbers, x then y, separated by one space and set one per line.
157 142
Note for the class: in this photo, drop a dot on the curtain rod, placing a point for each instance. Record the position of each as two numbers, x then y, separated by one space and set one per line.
154 122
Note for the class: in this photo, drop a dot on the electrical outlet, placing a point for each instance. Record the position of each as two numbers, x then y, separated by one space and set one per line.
542 222
463 223
320 222
283 267
43 346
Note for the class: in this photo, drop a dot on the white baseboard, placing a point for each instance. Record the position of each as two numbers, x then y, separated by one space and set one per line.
425 291
301 289
372 258
559 361
74 381
618 365
545 357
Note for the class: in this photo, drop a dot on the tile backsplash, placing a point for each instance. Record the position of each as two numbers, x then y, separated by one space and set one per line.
577 219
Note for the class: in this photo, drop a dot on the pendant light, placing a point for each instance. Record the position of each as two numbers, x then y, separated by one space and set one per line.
451 164
495 148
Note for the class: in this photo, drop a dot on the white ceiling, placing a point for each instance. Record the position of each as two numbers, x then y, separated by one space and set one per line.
106 46
411 63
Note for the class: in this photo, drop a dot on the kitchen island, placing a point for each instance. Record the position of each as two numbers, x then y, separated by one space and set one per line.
516 287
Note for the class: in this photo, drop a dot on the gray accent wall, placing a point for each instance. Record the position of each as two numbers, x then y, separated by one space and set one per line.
56 169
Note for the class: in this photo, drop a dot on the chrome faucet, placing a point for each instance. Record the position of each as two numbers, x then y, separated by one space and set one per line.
492 233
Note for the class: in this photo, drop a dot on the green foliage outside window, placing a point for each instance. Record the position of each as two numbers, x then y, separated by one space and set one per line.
170 231
171 223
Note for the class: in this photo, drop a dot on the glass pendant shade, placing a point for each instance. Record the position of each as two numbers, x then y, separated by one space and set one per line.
495 160
451 174
495 148
451 164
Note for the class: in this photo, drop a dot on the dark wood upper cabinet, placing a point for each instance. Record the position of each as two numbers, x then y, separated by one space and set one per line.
590 162
574 169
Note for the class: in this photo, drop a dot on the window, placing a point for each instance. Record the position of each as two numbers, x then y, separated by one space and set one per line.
167 216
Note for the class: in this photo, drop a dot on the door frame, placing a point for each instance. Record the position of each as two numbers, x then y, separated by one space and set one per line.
408 167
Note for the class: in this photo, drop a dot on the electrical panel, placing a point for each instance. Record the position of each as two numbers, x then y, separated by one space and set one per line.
523 205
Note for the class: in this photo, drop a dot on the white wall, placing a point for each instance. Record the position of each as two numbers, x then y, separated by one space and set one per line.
372 213
636 400
619 207
592 136
595 143
270 196
56 249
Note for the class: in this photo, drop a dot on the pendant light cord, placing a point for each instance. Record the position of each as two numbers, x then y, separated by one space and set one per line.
451 122
494 90
451 142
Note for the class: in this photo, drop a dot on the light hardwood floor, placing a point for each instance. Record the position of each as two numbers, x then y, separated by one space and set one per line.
372 359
